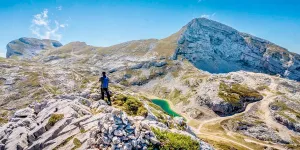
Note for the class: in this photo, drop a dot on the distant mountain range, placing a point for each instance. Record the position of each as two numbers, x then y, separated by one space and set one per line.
209 45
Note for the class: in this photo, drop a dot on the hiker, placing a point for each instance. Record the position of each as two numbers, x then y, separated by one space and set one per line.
104 87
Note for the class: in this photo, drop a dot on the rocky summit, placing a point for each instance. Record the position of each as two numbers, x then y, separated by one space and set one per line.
29 47
233 91
217 48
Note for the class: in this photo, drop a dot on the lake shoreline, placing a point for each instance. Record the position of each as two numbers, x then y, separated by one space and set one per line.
165 105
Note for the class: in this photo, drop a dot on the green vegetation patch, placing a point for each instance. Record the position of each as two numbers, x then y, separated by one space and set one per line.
234 93
32 80
55 118
2 82
38 94
156 107
284 108
133 72
53 89
3 120
131 105
172 141
84 83
77 143
125 83
82 130
159 113
262 87
176 97
224 145
64 142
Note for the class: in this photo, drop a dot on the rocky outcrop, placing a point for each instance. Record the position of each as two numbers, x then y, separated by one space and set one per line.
227 98
286 113
251 125
116 130
218 48
256 129
29 47
72 121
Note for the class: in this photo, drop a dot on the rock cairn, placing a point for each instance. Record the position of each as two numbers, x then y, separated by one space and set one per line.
117 131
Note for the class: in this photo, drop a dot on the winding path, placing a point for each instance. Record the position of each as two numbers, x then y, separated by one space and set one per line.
264 105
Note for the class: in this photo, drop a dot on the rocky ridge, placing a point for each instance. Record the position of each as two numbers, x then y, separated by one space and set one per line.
74 122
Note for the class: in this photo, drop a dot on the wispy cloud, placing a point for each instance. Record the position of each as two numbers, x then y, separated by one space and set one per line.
59 8
208 16
44 28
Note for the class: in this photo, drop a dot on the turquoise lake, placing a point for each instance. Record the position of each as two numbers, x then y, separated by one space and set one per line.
165 106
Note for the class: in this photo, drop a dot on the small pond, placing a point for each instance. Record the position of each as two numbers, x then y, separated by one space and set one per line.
165 106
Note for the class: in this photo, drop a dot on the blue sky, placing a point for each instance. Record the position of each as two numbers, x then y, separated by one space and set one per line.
108 22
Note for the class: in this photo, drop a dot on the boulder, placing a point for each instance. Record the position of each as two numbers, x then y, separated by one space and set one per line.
95 96
116 140
118 133
153 140
179 120
23 113
127 146
145 125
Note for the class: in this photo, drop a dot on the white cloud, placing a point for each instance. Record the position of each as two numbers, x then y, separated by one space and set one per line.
43 28
63 25
208 16
59 8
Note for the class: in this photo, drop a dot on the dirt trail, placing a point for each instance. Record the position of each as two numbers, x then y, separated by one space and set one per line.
263 105
211 135
226 140
284 132
220 119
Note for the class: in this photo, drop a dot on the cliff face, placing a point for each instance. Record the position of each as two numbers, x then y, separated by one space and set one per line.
217 48
28 47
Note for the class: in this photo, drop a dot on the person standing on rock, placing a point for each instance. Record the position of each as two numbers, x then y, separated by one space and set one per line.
104 87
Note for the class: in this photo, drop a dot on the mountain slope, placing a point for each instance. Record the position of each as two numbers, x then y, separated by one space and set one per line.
217 48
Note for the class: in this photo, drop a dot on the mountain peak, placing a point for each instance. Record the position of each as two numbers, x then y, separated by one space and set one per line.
204 22
218 48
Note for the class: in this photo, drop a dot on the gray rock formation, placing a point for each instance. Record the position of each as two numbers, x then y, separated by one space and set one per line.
218 48
28 47
116 130
286 112
69 121
220 97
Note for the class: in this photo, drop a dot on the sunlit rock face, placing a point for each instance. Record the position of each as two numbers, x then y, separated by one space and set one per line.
217 48
29 47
